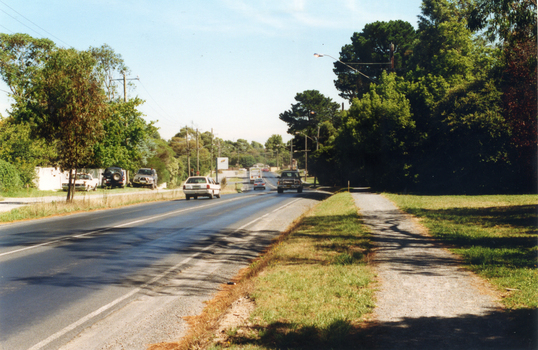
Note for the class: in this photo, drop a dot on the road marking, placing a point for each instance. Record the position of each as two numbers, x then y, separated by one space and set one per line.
117 226
108 306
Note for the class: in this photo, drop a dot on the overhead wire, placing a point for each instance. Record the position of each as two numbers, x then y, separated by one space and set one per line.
12 9
166 116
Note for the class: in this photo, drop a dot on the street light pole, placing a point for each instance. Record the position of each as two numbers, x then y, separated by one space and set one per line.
336 59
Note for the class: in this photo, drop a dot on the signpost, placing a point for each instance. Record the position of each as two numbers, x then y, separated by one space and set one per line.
222 164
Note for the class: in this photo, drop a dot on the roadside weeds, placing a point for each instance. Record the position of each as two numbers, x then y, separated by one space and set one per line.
312 287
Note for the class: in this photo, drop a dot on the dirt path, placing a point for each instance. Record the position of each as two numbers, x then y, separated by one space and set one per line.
425 301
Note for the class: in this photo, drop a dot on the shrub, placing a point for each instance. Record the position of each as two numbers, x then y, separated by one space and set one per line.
9 177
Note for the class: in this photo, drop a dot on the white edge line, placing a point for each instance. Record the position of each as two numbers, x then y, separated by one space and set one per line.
108 306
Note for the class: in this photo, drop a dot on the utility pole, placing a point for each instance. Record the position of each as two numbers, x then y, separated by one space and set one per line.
197 155
211 152
188 151
125 85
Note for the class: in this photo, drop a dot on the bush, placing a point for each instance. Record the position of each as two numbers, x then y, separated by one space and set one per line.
9 177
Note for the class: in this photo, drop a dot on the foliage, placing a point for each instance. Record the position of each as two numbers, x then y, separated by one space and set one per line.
520 103
377 134
370 53
127 137
25 152
69 107
504 19
21 59
9 177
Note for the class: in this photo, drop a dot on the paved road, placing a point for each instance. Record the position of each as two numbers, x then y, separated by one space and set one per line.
425 301
124 278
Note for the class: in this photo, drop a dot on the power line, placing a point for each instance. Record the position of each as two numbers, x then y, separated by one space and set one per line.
166 114
30 22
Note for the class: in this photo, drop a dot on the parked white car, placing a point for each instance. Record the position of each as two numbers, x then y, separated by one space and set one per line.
83 182
201 186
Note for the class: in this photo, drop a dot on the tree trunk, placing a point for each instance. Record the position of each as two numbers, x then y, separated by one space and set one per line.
70 186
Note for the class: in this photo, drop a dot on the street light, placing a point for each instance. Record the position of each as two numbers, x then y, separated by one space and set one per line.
347 65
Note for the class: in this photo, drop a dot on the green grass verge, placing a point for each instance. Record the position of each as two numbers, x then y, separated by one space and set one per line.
317 287
495 235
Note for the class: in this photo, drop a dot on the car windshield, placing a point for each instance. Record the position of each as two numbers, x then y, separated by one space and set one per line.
83 177
197 180
112 171
290 175
144 171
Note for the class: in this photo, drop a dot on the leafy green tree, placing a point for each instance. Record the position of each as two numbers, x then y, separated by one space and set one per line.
504 19
127 140
69 108
24 151
109 66
376 136
21 59
370 53
311 109
9 177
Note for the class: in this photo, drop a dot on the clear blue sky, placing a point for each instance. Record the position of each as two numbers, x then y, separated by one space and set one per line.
230 65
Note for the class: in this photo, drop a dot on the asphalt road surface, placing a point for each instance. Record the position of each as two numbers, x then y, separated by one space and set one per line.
125 278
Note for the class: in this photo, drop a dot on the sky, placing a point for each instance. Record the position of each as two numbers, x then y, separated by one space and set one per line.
231 66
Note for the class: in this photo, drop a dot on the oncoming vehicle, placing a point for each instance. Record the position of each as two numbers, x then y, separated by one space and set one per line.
289 180
83 182
146 177
114 177
259 183
201 186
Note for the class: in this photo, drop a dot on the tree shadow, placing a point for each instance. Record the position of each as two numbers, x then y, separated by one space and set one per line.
496 330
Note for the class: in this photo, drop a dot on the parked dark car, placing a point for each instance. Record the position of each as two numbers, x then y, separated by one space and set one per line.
114 177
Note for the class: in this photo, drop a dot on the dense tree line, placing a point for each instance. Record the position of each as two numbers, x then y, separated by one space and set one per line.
67 112
450 111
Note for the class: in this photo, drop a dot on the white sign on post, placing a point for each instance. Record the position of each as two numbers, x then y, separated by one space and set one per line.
222 163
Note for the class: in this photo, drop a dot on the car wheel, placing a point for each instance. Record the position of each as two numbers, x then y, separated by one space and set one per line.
218 195
300 190
211 195
187 197
195 197
280 190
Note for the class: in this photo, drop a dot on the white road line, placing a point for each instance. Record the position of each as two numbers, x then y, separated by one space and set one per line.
108 306
117 226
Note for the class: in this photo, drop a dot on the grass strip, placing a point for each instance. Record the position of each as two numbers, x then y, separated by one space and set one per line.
312 288
496 235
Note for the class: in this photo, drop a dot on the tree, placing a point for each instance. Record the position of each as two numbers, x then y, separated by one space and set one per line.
311 109
371 52
376 136
22 150
21 59
275 146
69 108
127 140
504 19
109 65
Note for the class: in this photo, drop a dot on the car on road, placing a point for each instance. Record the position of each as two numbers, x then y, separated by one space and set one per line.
114 177
146 177
289 180
259 183
83 182
201 186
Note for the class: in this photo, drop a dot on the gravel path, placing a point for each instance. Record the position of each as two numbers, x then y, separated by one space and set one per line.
425 301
